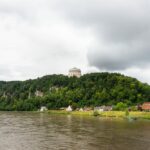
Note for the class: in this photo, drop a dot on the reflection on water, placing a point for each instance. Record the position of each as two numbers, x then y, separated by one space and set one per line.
35 131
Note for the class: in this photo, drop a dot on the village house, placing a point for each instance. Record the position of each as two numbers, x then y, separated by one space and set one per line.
87 109
81 109
62 108
43 108
99 108
146 106
103 108
69 108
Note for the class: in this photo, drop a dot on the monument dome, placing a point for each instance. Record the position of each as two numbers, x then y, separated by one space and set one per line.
74 72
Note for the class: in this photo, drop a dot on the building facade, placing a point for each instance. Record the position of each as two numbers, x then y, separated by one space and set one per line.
146 106
74 72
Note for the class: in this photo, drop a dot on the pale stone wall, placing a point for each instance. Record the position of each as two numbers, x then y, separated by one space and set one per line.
39 93
74 72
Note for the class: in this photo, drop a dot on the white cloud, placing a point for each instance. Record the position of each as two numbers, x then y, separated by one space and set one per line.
38 41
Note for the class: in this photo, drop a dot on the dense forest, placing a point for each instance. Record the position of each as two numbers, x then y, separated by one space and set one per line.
57 91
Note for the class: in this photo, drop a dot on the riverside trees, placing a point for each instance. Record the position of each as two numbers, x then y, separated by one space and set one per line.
60 91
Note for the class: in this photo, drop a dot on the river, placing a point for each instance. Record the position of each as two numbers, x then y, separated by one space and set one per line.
41 131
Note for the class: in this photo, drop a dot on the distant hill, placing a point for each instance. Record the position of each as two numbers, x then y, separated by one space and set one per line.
56 91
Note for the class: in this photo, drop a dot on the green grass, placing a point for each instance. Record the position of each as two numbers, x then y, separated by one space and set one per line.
122 114
141 115
111 114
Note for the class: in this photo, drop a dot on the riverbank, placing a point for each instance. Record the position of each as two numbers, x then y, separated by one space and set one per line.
83 113
122 114
111 114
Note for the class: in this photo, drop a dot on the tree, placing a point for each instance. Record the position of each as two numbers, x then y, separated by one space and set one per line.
121 106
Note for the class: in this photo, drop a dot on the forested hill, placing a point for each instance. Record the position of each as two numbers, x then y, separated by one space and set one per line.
56 91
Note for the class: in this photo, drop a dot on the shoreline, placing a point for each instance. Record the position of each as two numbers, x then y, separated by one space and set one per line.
132 115
107 114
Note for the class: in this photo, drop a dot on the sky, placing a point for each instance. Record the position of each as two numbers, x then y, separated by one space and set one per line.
41 37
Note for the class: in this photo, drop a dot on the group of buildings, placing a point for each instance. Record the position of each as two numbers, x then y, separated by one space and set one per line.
144 107
100 108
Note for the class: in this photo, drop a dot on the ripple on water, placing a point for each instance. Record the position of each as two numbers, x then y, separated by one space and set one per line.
35 131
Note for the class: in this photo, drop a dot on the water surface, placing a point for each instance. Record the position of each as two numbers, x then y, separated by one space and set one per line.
41 131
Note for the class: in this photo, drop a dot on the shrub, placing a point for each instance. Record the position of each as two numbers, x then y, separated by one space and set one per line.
95 113
121 106
134 108
126 112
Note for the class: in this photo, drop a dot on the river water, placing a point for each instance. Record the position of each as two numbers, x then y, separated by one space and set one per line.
41 131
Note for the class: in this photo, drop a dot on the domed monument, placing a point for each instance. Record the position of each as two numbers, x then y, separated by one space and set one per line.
74 72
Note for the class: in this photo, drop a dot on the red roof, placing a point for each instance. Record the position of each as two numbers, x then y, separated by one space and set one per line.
146 106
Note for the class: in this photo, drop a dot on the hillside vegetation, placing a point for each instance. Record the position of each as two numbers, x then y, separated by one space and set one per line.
60 91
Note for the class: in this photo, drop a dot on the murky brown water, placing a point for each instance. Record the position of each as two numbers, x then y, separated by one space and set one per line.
35 131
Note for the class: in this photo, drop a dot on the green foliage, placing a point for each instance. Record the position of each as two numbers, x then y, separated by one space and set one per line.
120 106
95 113
93 89
134 108
126 112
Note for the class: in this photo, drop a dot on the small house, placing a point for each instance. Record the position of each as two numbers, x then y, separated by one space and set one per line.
87 108
146 106
43 108
100 109
69 108
62 108
103 108
109 108
81 109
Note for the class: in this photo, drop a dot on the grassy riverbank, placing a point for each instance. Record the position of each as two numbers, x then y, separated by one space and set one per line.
112 114
122 114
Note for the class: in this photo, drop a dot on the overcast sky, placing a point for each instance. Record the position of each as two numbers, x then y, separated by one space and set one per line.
39 37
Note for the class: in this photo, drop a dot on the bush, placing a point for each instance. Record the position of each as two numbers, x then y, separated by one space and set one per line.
95 113
121 106
133 108
127 112
74 106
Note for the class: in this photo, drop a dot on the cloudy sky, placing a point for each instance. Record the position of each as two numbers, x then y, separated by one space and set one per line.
39 37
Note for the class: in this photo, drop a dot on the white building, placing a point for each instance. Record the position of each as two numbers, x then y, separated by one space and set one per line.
74 72
81 109
103 108
43 108
69 108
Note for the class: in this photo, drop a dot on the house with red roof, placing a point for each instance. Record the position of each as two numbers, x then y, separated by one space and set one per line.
146 106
